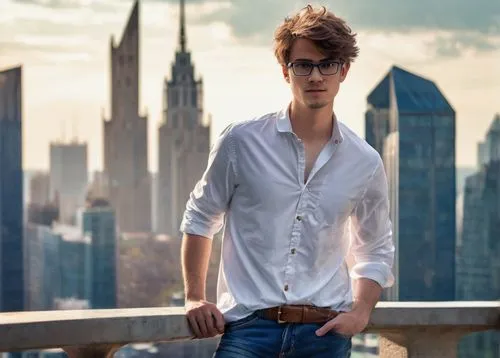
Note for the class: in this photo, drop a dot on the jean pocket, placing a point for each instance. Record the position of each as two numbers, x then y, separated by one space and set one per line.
243 322
337 334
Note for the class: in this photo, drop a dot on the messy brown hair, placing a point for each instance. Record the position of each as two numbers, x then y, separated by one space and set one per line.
329 33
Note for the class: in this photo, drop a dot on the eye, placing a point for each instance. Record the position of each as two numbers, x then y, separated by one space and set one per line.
328 65
302 65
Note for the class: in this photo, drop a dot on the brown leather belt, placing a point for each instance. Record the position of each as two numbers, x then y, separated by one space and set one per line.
298 314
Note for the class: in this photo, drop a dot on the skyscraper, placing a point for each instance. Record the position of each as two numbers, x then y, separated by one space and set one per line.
11 192
184 139
42 260
126 136
98 222
75 262
39 189
58 264
68 178
478 267
412 125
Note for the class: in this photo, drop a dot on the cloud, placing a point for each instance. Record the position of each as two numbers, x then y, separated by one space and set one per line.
456 43
468 25
249 16
387 15
475 24
73 4
56 3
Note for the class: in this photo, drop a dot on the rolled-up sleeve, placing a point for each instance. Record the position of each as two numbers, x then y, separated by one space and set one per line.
210 198
371 232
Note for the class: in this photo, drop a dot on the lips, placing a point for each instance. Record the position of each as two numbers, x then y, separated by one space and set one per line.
315 90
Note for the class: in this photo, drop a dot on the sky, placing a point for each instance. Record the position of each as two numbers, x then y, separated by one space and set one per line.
63 46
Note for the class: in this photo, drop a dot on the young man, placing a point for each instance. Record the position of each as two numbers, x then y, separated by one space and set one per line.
296 191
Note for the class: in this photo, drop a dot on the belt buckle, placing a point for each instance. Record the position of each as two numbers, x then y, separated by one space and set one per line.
280 321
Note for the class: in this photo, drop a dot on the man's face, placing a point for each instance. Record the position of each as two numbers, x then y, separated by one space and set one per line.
315 87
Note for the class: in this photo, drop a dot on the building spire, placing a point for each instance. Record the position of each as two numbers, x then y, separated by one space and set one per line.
182 24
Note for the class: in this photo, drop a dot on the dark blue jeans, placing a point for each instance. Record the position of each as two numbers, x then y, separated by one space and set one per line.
255 337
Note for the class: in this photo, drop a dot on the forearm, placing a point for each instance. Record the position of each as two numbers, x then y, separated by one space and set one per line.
366 295
195 258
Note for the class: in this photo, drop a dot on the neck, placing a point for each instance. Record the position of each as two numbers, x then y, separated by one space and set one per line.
311 124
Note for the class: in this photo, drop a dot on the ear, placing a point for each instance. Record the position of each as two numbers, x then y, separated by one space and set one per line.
344 71
286 73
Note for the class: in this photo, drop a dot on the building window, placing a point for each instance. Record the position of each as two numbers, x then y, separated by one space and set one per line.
175 98
186 97
193 97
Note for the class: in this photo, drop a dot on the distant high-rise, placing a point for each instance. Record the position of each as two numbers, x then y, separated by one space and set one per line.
74 251
98 188
98 222
39 187
44 215
412 125
184 139
12 293
126 136
59 266
43 267
68 178
489 150
478 266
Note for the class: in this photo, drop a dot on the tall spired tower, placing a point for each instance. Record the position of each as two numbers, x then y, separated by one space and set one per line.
184 139
126 137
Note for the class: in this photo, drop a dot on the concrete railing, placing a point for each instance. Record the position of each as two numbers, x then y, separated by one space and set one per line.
407 329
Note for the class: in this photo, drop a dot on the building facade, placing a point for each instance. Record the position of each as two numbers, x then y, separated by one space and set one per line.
58 265
68 178
126 136
39 189
12 293
412 125
42 267
478 267
75 261
184 138
98 222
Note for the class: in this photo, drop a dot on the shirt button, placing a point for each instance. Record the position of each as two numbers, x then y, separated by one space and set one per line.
286 288
293 251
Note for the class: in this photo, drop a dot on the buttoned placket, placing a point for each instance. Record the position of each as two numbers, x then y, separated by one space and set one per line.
325 154
297 225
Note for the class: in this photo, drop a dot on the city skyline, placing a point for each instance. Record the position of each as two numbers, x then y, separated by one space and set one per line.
56 41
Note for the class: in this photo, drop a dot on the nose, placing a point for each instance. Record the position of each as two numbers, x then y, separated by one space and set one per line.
315 76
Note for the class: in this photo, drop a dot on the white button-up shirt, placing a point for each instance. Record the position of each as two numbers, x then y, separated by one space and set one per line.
285 240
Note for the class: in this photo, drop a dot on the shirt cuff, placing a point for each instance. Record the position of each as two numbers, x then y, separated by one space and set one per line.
189 226
378 272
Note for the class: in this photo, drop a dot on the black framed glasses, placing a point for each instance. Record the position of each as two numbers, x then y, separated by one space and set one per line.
305 68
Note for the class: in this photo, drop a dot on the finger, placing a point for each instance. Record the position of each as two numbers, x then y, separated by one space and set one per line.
200 318
194 325
210 320
219 320
327 327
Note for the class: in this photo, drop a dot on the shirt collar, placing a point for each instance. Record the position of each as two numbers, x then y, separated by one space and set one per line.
284 125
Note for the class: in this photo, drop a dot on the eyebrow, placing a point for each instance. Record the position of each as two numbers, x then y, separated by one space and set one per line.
309 60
